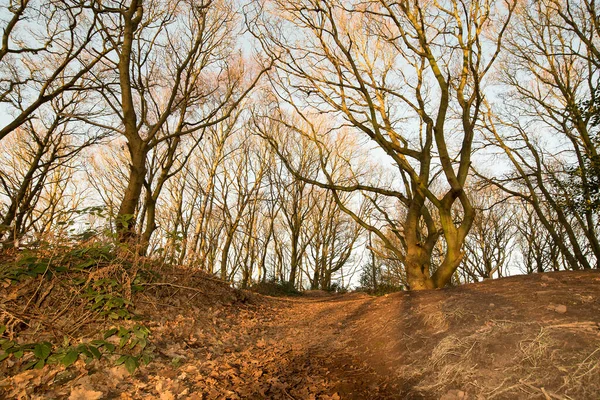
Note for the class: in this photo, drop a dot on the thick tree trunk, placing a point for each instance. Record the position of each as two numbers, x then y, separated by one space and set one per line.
137 147
417 268
127 210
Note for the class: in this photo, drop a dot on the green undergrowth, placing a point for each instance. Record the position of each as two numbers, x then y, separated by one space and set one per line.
120 345
99 280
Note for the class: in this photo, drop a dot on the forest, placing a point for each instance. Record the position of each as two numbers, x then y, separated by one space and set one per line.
419 179
322 144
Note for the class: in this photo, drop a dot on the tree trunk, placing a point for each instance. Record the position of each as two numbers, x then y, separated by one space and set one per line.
137 174
417 263
294 260
225 253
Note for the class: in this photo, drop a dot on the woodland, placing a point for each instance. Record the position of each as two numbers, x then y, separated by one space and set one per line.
419 143
152 147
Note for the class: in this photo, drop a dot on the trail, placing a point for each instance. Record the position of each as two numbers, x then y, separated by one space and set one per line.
322 344
522 337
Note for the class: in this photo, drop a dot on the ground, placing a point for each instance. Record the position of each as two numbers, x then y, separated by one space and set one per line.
527 337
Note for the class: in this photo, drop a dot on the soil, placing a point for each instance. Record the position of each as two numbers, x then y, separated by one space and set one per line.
530 337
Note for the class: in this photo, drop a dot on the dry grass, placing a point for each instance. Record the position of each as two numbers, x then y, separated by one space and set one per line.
450 363
583 378
537 350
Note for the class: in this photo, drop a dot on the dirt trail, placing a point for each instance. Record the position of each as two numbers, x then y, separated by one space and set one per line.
522 337
324 342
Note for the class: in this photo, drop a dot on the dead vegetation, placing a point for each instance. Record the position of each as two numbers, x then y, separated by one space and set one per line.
492 340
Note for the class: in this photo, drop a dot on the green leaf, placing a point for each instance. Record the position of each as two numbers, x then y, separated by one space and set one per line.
70 358
2 329
7 345
121 360
131 364
42 350
87 353
110 332
146 358
86 264
40 364
95 352
18 354
30 364
140 334
28 346
54 358
39 269
109 347
4 356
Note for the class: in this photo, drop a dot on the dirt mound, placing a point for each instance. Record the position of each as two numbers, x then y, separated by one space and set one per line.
533 336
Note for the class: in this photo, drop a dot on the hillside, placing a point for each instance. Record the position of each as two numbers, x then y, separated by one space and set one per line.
534 336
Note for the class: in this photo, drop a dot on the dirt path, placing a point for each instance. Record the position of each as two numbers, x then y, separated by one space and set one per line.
523 337
323 346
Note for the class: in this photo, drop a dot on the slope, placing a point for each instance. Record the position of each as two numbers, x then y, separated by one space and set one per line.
534 336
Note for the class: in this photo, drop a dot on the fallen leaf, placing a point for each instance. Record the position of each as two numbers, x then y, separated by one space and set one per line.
81 393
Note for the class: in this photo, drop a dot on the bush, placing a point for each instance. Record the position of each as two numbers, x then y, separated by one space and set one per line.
274 287
337 288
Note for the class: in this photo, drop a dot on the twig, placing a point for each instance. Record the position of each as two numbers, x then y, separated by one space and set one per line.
547 395
288 394
173 285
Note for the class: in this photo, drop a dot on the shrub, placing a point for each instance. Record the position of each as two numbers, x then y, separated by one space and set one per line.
274 287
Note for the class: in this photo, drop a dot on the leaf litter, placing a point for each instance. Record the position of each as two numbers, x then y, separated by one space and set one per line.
215 342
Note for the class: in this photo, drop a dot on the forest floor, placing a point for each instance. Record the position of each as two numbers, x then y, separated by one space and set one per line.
527 337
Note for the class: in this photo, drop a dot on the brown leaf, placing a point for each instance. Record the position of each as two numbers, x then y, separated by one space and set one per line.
80 393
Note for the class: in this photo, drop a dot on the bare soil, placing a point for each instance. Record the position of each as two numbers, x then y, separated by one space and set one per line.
529 337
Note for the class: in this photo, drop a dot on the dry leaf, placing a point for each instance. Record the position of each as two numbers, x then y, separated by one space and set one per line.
81 393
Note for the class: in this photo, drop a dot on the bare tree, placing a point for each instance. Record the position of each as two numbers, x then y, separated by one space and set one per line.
545 128
334 239
491 242
408 75
35 158
47 49
173 73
